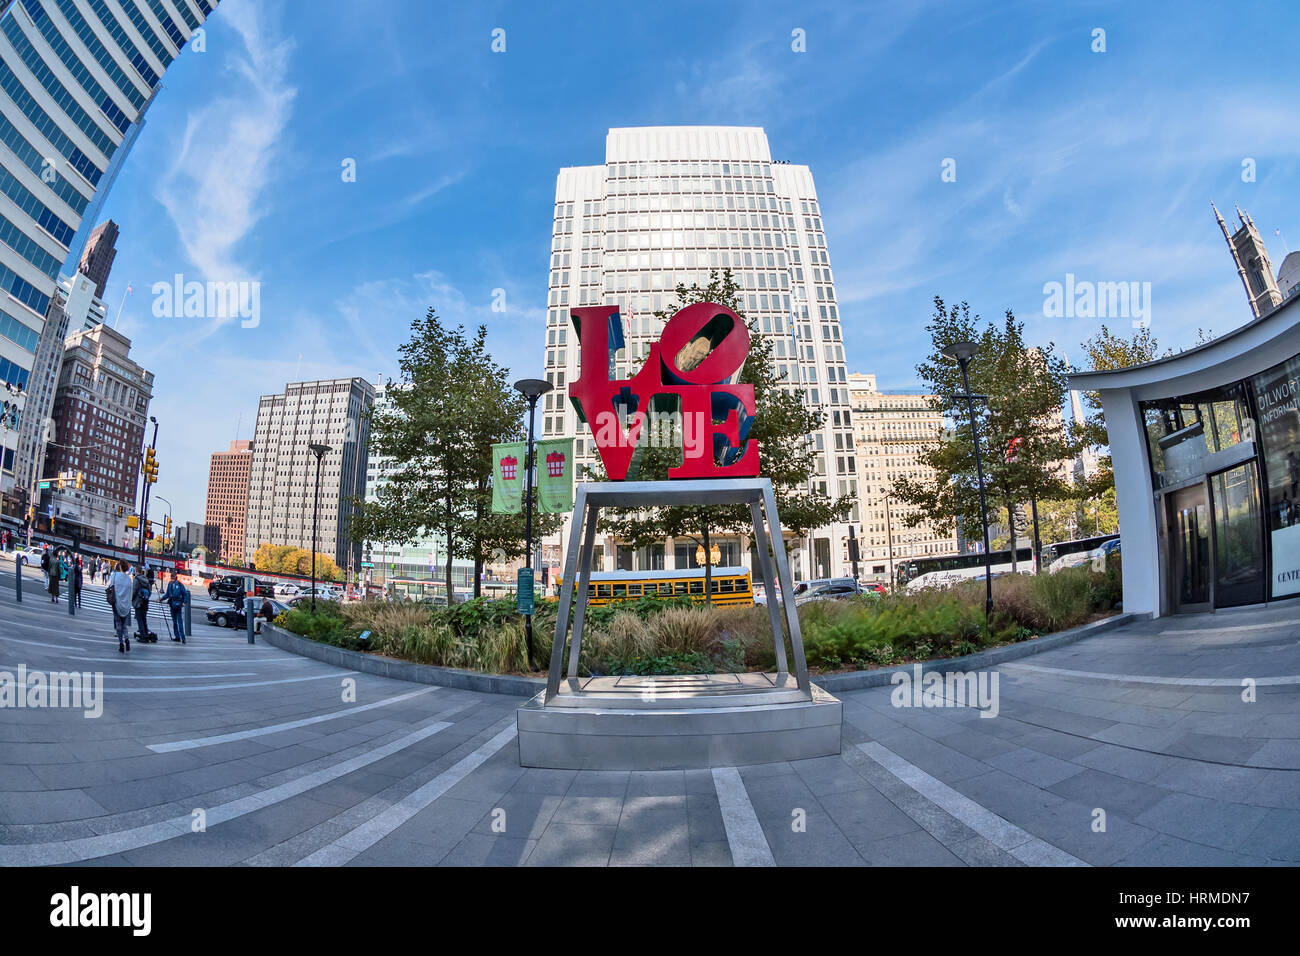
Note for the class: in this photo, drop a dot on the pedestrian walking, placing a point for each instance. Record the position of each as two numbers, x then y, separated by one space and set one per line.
76 583
140 592
119 594
175 596
45 567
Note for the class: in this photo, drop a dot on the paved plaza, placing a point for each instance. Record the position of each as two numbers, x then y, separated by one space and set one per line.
219 752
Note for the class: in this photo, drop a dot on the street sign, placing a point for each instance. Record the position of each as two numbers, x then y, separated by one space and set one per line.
524 591
45 486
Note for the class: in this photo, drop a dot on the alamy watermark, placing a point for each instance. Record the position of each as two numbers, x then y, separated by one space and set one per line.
240 299
978 689
75 690
1084 299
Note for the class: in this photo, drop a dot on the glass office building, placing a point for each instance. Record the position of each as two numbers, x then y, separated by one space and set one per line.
1206 449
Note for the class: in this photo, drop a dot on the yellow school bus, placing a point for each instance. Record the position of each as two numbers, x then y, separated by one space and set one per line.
730 586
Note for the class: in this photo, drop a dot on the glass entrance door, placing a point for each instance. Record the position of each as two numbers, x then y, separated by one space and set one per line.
1190 561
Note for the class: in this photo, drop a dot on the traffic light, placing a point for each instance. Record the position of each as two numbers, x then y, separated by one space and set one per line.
31 514
60 483
167 526
149 467
133 521
148 535
81 480
119 511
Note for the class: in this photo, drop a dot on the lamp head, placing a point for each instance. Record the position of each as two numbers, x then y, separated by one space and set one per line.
532 388
961 352
320 450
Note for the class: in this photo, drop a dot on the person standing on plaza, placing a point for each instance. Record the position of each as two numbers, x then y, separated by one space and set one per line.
176 595
52 580
120 591
140 592
77 582
45 567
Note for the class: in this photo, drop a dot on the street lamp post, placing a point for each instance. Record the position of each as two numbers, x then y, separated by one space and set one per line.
963 352
531 389
320 451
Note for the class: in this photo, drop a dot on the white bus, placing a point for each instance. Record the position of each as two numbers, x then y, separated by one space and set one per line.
947 569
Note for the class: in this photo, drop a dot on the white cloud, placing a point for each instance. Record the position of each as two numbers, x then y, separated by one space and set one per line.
213 190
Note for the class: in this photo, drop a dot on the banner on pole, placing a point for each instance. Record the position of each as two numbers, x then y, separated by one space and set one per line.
508 476
555 476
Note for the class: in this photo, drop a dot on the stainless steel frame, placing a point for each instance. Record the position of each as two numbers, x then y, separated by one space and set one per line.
592 496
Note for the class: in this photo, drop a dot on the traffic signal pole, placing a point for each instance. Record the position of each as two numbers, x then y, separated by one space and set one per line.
144 497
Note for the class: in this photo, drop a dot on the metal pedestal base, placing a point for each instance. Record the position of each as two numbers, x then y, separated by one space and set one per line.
675 722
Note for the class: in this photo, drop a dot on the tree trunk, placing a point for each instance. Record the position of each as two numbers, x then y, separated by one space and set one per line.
1011 527
1038 547
451 598
708 566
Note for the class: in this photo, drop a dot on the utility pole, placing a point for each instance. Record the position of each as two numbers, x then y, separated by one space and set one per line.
149 469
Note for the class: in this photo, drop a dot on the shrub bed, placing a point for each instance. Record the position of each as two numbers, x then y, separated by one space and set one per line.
674 636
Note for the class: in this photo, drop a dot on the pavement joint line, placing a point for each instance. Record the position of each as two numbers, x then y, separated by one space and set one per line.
1226 630
1283 681
197 660
999 831
197 742
362 837
122 841
14 667
257 683
745 837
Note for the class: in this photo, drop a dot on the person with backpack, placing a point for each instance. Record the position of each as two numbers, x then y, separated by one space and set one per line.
140 591
175 596
119 593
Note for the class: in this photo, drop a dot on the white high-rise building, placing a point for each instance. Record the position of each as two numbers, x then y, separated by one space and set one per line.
669 205
76 77
282 490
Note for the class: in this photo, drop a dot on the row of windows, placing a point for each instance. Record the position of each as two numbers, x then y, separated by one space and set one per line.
78 69
168 24
28 248
40 212
18 333
12 374
34 161
147 32
58 92
23 291
120 37
47 127
97 50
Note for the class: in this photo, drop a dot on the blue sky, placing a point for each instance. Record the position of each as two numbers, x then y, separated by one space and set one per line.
1100 164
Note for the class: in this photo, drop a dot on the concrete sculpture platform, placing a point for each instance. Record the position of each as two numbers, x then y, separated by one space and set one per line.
677 722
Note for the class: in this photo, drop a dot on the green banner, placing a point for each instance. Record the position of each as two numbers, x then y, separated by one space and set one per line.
508 476
555 475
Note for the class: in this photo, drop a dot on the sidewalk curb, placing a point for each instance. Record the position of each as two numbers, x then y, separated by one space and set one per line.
403 670
529 686
835 683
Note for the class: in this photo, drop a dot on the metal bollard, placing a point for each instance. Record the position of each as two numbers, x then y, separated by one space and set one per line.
189 631
72 597
248 617
18 576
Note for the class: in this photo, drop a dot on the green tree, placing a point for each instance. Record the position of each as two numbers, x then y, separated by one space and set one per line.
452 403
1105 352
783 428
1023 442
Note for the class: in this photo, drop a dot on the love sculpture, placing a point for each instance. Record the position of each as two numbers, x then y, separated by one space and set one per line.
686 377
595 722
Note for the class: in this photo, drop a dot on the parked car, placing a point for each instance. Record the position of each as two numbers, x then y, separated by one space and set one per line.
229 587
290 589
30 556
827 589
233 615
875 587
